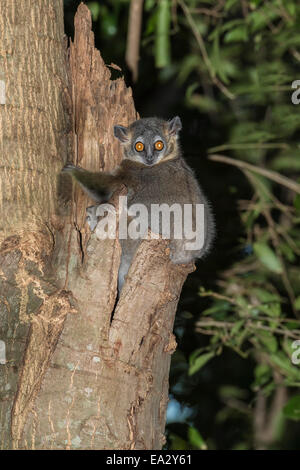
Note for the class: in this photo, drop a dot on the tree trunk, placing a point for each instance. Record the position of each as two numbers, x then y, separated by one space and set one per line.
81 371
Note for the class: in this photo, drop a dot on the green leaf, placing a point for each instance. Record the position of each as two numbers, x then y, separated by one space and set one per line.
202 102
268 340
288 161
240 338
218 64
162 37
265 295
262 374
235 35
219 306
196 353
149 4
151 24
200 362
251 217
273 309
287 252
297 303
291 7
267 257
232 24
230 3
255 3
292 408
237 326
231 391
260 18
297 202
187 67
281 360
247 132
262 187
292 325
177 443
196 439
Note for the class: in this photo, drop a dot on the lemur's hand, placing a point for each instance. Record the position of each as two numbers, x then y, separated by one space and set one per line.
69 168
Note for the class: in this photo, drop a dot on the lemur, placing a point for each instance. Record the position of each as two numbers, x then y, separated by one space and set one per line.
154 172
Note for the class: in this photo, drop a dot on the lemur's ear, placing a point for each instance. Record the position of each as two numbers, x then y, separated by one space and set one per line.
174 125
121 133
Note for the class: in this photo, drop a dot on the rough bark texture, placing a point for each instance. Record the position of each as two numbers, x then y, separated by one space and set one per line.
80 372
34 131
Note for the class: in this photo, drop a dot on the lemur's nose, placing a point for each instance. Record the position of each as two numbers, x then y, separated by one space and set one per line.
149 155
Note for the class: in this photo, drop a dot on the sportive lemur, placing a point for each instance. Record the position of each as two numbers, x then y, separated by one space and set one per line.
154 172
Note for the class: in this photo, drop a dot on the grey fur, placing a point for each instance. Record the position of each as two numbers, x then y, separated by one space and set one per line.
152 177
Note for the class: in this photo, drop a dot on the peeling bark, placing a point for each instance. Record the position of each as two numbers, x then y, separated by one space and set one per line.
82 372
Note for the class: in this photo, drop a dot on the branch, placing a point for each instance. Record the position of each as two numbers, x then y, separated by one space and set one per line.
276 244
248 324
202 47
272 175
134 36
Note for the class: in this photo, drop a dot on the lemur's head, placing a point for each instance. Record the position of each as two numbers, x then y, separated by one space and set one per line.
150 141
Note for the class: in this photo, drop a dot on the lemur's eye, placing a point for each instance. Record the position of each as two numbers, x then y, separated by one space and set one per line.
159 145
139 146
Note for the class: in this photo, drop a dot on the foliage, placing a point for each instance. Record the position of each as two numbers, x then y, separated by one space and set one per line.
229 65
